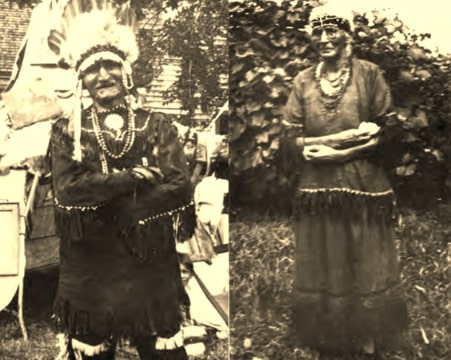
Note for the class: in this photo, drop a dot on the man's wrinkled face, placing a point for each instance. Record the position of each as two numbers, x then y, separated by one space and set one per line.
103 80
330 41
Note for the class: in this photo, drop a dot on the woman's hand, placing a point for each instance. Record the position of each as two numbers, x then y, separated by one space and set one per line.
348 137
352 137
324 153
343 139
320 153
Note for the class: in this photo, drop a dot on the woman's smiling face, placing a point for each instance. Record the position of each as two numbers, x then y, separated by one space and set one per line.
330 41
103 80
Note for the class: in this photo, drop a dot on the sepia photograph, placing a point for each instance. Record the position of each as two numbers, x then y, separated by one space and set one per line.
114 180
339 180
225 180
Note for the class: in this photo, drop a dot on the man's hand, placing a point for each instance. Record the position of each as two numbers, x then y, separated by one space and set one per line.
147 172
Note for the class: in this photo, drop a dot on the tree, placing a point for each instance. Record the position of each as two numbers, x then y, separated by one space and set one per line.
199 38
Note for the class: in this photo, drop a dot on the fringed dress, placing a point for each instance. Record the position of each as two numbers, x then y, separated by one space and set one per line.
347 285
119 273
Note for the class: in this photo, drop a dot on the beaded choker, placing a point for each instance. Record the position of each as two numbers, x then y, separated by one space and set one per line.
130 137
112 110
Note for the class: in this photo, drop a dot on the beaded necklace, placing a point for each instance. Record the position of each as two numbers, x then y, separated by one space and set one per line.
104 163
332 90
130 138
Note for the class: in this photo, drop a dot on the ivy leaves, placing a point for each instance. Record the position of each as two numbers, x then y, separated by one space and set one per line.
269 45
266 42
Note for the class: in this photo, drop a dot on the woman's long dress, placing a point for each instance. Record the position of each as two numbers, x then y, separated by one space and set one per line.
119 273
347 285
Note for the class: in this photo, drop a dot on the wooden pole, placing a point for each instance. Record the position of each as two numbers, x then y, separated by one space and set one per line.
23 328
25 228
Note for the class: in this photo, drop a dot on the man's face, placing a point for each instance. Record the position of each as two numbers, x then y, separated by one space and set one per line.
330 41
103 80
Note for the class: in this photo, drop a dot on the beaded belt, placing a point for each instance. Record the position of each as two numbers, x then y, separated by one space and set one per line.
140 222
166 213
77 207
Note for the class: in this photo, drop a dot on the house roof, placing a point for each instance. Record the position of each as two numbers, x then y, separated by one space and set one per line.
14 27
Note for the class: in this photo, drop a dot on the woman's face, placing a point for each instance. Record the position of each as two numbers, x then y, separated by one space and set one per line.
103 80
330 41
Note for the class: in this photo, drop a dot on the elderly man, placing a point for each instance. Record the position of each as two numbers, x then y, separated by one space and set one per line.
120 183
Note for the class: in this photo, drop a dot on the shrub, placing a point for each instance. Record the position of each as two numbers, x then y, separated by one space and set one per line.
269 46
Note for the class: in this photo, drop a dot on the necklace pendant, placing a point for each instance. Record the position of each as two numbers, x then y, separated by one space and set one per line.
114 122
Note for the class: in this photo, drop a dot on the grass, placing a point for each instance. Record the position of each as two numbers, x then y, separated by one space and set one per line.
42 345
261 275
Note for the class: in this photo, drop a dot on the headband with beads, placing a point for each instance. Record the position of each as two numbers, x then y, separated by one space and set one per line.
341 23
332 13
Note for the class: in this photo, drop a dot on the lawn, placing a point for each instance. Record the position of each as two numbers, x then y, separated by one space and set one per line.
261 263
42 344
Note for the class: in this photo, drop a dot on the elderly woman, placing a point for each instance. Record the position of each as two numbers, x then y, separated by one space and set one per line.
346 295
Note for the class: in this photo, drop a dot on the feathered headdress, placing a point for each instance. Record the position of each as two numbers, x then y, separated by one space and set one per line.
87 27
86 31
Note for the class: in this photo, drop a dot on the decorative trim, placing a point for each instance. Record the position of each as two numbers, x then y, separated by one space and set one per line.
90 350
340 22
347 191
113 109
98 49
376 205
171 343
166 213
76 207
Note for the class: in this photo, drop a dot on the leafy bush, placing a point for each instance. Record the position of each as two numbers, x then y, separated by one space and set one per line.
269 46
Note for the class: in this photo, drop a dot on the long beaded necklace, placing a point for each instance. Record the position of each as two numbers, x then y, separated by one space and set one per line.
129 141
332 90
